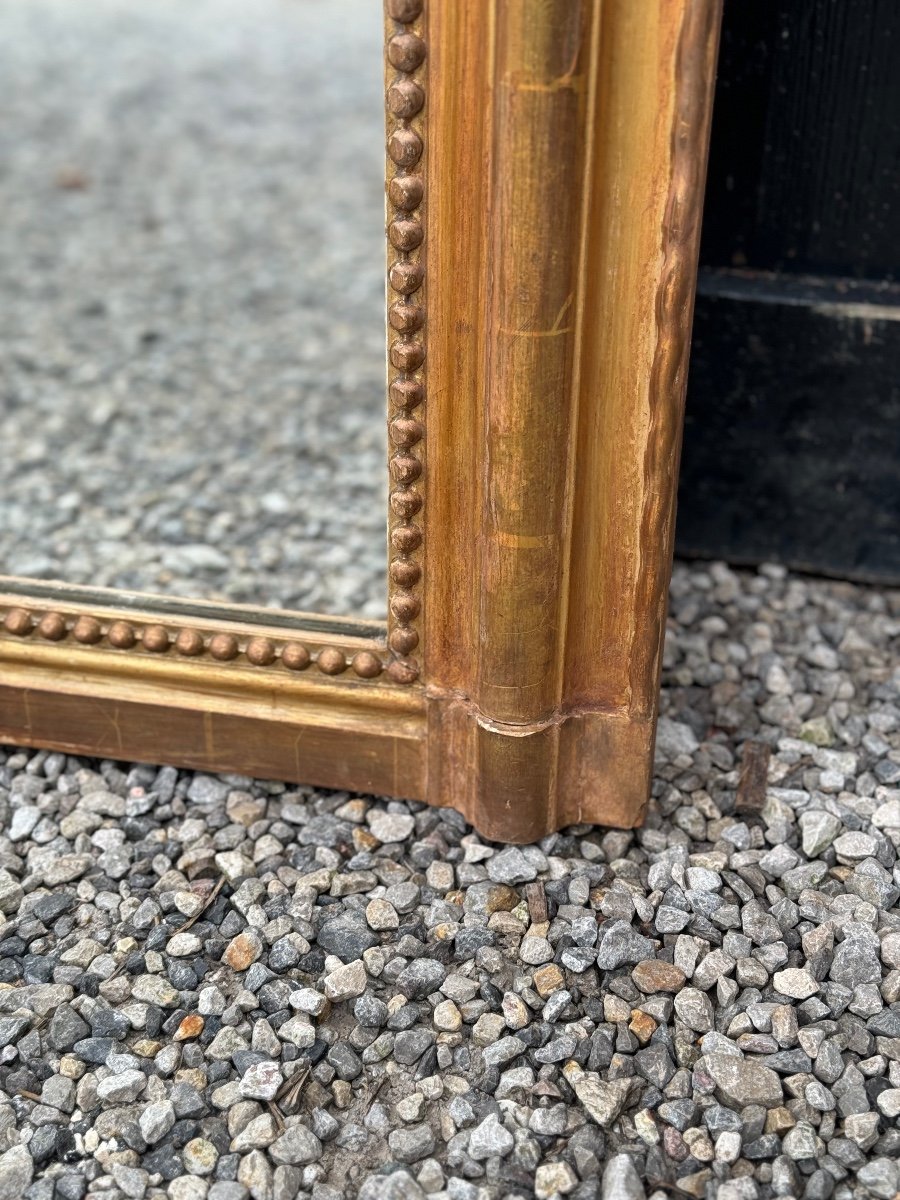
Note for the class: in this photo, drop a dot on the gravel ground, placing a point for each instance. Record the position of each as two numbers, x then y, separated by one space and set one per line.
192 298
214 988
218 989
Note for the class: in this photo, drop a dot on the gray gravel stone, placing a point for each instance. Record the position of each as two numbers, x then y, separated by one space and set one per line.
16 1172
871 882
123 1088
490 1138
501 1052
411 1044
261 1081
621 1180
741 1081
819 829
535 950
411 1143
794 983
880 1178
297 1145
390 826
622 945
399 1185
855 961
674 738
11 893
346 982
602 1099
66 1028
421 977
511 866
801 1142
156 1120
695 1009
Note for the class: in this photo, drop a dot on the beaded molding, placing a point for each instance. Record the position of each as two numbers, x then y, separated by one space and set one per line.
405 100
406 320
186 642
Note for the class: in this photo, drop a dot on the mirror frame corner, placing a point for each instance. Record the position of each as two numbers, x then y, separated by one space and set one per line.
545 171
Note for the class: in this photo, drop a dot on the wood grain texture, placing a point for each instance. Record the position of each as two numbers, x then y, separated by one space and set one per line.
214 717
539 77
658 67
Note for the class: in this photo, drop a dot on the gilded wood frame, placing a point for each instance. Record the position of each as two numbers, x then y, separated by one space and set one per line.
545 167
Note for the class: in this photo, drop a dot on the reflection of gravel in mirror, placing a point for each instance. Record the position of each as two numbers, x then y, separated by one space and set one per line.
191 298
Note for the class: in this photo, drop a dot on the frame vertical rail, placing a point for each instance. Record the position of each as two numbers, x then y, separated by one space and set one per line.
560 343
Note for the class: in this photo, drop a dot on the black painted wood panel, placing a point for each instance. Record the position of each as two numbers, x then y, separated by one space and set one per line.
779 467
804 171
792 436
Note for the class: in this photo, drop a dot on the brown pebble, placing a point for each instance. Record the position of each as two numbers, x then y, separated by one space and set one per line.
190 1027
537 902
654 975
72 179
502 898
642 1026
545 1087
354 810
143 1048
547 980
363 839
242 951
751 791
779 1120
244 809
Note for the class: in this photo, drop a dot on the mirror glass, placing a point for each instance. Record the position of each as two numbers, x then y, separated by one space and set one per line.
192 299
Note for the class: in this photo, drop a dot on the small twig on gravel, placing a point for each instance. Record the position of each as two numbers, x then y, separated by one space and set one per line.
751 792
220 883
375 1091
288 1095
40 1100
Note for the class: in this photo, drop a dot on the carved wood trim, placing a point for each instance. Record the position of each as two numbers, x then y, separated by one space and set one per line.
405 71
66 626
